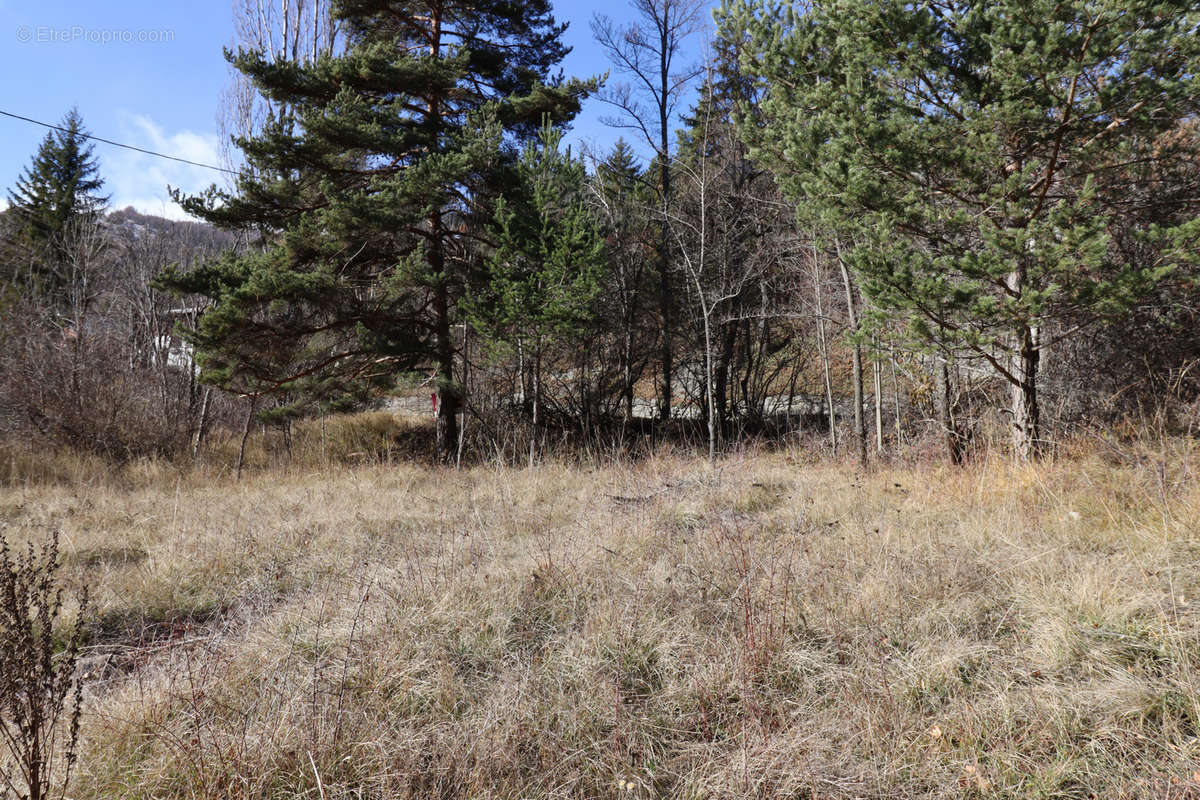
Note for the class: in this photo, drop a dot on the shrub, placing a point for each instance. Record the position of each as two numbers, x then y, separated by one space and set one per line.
41 693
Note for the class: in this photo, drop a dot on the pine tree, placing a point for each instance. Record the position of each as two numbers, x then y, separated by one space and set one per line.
547 266
56 191
619 176
369 195
979 156
623 198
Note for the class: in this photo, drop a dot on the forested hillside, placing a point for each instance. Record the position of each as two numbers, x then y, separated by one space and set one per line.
975 230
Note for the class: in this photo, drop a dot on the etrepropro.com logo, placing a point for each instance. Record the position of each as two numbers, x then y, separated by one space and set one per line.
48 34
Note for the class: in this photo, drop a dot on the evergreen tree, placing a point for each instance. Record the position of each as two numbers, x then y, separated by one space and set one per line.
368 195
623 199
619 176
547 266
977 155
57 190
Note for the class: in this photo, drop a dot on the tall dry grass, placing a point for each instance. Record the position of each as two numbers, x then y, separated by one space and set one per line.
769 627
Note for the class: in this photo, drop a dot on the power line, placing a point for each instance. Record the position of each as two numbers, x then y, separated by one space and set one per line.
119 144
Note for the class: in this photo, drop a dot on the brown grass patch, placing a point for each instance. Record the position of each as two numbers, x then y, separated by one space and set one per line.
661 629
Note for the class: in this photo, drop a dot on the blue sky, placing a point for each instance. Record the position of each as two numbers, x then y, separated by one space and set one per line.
150 73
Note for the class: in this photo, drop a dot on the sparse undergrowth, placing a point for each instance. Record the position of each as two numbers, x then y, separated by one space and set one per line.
767 628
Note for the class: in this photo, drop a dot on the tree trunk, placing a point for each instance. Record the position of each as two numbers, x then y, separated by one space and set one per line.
664 308
823 348
522 389
828 386
896 401
877 390
627 370
750 360
466 381
1026 420
245 435
760 356
664 175
202 425
537 402
945 408
860 427
1027 353
448 393
711 407
721 388
448 399
586 404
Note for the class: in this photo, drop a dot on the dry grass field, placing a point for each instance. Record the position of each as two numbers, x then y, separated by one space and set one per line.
769 627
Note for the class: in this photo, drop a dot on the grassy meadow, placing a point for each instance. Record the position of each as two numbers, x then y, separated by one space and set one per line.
774 626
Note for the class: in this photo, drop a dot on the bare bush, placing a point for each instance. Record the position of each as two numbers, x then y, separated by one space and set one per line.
97 366
41 693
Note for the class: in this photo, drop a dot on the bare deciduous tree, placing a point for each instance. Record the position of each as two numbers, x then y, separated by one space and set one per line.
719 228
647 52
299 31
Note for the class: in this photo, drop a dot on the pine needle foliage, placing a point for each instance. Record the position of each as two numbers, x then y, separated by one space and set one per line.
985 160
367 197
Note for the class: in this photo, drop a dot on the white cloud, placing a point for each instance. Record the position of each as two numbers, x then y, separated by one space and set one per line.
141 180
